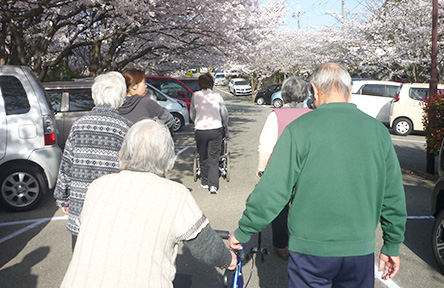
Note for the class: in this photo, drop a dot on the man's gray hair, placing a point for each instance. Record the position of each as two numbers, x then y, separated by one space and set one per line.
294 90
328 77
148 147
109 89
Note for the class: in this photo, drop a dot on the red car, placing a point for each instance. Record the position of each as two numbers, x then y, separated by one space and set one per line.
172 87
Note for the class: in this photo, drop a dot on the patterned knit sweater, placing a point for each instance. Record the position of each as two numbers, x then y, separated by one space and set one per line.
91 151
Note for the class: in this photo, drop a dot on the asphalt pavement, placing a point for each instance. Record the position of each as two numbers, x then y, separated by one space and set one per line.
35 246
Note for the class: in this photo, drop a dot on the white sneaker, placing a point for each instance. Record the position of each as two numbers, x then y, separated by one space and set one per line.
213 190
204 186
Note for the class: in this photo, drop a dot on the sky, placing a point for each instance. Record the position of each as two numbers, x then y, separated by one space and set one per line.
313 13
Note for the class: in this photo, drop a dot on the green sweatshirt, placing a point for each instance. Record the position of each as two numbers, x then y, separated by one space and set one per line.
339 170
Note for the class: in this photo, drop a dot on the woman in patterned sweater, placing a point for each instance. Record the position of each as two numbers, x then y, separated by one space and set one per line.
92 147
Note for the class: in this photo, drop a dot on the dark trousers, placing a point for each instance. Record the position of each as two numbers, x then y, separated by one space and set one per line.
209 143
73 241
337 272
280 229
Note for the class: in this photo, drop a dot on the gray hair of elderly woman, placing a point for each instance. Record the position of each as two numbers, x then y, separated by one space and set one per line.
148 147
109 89
294 90
330 77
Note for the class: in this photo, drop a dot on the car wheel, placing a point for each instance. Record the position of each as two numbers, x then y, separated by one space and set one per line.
402 126
21 188
178 122
277 103
260 101
438 240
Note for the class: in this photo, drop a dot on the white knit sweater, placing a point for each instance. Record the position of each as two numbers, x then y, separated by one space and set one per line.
131 224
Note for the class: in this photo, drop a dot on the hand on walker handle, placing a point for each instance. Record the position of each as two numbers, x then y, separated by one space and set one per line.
388 264
259 173
233 263
65 210
233 243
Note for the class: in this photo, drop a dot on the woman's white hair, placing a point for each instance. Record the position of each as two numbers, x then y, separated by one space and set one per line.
148 147
109 89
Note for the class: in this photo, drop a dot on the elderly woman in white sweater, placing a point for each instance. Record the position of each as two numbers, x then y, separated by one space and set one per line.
130 237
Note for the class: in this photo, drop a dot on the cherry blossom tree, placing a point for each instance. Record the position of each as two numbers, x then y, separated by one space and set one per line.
157 35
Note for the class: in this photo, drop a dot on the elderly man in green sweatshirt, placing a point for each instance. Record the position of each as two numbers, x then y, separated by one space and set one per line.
337 168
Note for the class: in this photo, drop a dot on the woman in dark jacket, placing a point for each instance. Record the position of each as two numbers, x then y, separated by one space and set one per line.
137 107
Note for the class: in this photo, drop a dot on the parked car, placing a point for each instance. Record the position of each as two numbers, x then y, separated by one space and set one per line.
407 110
278 101
191 82
172 87
73 99
437 208
239 87
29 155
375 97
219 79
264 96
70 100
176 107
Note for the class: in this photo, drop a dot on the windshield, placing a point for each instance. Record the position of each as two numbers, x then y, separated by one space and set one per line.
243 82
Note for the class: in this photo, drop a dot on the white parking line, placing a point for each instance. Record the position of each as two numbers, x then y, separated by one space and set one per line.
408 140
35 223
388 283
420 217
182 150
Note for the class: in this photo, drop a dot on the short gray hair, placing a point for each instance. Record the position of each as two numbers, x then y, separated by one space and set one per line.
294 90
148 147
109 89
332 76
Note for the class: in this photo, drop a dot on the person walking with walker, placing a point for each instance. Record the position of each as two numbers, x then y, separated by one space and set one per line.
210 115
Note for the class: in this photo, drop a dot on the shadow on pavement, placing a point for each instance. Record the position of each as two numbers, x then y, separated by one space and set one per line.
21 272
419 231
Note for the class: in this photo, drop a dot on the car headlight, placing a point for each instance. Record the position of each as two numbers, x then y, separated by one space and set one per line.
182 103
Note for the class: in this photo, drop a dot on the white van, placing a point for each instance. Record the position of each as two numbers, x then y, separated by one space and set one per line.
407 108
375 97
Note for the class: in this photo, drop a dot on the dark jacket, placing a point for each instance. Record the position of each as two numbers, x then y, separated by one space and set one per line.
136 108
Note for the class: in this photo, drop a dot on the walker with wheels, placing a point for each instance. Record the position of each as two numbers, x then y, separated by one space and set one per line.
224 160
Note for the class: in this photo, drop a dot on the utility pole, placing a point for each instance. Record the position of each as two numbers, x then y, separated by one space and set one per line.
343 13
433 87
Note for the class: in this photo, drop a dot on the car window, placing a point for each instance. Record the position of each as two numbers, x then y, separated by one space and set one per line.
275 88
56 99
193 85
80 100
418 93
373 89
173 89
157 95
170 87
14 95
392 90
243 82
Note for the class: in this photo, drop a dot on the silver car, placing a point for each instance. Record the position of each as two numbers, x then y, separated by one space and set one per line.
176 107
72 99
29 154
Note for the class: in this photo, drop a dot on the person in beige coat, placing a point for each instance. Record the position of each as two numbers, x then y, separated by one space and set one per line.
133 221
